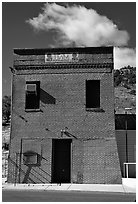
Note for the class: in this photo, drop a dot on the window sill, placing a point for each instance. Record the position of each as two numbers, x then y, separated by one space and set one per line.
100 110
32 110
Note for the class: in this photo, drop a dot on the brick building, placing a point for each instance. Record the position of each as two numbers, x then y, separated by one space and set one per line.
62 124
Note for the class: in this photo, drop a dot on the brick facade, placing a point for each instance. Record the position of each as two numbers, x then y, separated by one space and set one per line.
63 115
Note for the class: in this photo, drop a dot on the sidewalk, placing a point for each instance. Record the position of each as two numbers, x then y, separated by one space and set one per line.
124 188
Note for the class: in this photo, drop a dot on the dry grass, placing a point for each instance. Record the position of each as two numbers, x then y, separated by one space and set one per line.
123 99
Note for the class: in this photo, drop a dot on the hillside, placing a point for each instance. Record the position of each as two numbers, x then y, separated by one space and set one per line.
125 89
124 99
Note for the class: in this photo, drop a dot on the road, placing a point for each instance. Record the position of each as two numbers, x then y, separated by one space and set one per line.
64 196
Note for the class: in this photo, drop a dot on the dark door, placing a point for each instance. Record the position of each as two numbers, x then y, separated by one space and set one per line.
61 160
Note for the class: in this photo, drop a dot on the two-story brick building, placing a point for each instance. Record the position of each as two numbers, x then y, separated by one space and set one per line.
62 124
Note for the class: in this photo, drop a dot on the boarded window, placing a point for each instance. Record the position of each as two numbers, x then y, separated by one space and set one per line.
92 93
32 95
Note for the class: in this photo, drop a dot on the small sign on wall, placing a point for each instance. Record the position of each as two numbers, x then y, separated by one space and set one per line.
78 58
61 57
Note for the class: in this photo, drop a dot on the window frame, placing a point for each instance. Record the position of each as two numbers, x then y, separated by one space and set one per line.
37 108
95 108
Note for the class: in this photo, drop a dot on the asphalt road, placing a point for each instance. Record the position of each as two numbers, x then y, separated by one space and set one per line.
64 196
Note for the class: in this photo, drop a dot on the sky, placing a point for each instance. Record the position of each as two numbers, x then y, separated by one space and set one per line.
42 25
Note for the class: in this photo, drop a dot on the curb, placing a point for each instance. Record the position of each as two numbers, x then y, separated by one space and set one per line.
127 186
70 187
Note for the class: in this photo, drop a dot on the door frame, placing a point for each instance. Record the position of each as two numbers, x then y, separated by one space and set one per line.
52 158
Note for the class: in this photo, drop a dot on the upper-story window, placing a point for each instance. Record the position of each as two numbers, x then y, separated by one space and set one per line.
92 94
32 95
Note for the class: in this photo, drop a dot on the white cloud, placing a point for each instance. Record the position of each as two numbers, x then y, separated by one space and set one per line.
80 25
84 27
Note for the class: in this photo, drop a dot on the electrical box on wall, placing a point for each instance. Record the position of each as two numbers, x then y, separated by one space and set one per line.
30 158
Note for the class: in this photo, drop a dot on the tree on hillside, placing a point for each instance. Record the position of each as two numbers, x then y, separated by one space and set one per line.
6 108
126 76
117 77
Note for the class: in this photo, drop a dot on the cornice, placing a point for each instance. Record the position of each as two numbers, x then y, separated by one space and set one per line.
64 66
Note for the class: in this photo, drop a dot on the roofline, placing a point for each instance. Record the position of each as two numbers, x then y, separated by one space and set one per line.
42 51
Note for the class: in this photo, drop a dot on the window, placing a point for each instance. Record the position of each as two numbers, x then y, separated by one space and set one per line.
32 95
92 94
129 170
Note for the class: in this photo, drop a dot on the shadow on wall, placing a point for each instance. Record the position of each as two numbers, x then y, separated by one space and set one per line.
32 174
32 159
46 98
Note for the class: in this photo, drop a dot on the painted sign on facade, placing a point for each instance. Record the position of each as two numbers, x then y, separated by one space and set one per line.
61 57
78 58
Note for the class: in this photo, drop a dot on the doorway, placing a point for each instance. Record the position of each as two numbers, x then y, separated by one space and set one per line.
61 160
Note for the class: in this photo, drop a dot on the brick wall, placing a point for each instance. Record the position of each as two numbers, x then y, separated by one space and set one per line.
94 156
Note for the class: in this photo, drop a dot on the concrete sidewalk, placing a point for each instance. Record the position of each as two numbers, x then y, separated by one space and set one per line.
124 188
